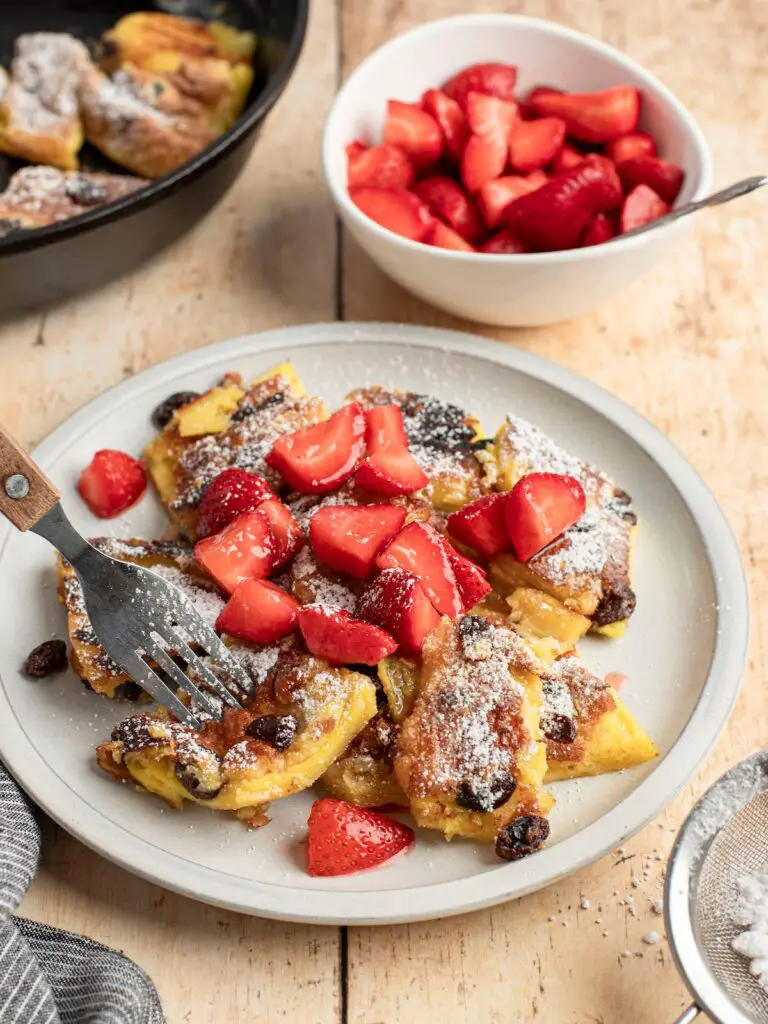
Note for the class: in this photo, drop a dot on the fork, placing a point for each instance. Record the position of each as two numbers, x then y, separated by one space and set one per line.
137 615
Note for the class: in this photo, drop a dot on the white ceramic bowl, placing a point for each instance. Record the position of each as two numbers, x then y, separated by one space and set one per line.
520 290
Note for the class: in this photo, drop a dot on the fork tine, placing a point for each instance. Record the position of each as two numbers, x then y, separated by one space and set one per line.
216 649
166 662
150 681
195 664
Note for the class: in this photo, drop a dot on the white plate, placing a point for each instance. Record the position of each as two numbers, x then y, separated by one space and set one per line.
683 653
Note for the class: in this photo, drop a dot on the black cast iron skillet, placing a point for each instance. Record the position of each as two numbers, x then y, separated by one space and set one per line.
44 265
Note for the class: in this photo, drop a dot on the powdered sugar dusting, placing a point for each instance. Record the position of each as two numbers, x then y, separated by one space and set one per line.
585 549
312 584
45 74
206 602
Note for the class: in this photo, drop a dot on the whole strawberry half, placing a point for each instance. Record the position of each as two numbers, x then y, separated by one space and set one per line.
341 639
592 116
320 458
492 78
111 483
229 495
539 508
343 838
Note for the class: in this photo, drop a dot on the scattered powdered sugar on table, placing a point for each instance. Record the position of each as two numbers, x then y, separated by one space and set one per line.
751 913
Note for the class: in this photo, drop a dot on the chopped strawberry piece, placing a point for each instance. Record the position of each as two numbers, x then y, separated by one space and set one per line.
414 131
492 79
111 482
230 494
593 116
539 508
244 550
258 611
600 230
495 196
556 215
396 602
391 473
568 158
485 155
503 243
319 459
343 838
355 148
285 531
384 429
664 178
641 206
627 147
446 238
420 549
534 144
395 209
347 538
451 119
470 579
536 179
481 525
451 204
383 166
341 639
542 90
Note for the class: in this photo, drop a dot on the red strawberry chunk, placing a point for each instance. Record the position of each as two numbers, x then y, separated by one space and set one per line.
395 209
495 196
391 473
111 482
492 79
593 116
534 144
420 549
414 131
341 639
355 148
600 230
503 243
285 531
258 611
556 215
451 204
470 579
244 550
347 538
641 206
396 602
539 508
384 429
451 119
383 166
626 147
481 525
445 238
343 838
485 155
664 178
568 158
229 495
319 459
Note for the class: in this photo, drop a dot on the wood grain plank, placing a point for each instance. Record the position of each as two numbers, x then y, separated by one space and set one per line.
246 267
687 347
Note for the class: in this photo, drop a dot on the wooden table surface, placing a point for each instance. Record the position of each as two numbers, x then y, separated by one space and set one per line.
687 346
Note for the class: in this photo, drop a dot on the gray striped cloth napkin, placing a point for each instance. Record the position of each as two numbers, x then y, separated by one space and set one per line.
49 976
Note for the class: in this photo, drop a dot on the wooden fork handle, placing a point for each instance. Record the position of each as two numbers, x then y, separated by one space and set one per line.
26 493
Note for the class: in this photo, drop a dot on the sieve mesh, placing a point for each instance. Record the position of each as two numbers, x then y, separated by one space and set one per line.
740 848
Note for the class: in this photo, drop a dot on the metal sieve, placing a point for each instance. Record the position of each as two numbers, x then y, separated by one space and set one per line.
724 838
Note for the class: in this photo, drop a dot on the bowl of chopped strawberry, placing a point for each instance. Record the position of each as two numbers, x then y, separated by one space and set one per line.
491 164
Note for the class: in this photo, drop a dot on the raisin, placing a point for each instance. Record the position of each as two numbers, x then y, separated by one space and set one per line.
203 780
475 637
163 414
49 657
87 192
477 795
558 728
522 837
276 730
129 691
617 604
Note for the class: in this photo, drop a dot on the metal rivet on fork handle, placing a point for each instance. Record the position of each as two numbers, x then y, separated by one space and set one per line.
17 486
